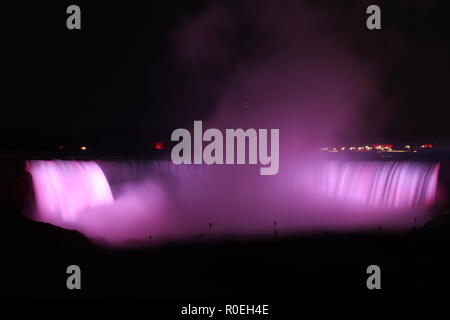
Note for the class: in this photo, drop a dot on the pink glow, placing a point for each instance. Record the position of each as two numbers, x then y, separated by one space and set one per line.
160 201
400 185
64 188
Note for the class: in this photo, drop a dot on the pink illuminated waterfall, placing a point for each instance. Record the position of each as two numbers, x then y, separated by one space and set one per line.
391 184
159 200
65 188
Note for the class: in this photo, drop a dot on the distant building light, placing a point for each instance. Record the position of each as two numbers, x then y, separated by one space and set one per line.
158 145
382 147
84 148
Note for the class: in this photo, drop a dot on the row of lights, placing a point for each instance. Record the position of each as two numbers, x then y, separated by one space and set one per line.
377 147
158 145
334 149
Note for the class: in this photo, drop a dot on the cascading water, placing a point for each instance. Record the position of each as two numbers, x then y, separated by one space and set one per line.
390 184
64 188
159 200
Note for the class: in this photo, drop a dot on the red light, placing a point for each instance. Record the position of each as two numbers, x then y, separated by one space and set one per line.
159 145
382 146
427 145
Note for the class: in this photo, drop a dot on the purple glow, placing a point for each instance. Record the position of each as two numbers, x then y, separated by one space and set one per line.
162 201
64 188
298 75
400 185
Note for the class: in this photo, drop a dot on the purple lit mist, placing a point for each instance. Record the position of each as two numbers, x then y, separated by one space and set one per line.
255 64
160 200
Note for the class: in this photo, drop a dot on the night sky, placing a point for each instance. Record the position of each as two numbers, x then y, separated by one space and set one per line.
121 79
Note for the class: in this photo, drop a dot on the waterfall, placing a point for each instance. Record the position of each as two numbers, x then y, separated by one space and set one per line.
390 184
64 188
150 199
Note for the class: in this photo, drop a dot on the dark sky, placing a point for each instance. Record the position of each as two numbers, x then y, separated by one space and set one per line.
120 78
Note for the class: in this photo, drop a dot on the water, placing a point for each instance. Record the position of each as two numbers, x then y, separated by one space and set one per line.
156 200
390 184
65 188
